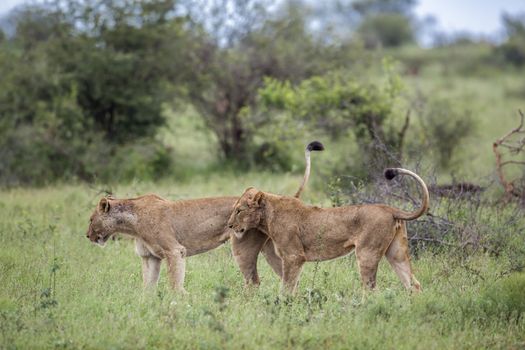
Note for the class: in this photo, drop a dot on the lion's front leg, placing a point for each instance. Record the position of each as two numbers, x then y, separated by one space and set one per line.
290 249
272 258
176 262
150 271
245 251
150 265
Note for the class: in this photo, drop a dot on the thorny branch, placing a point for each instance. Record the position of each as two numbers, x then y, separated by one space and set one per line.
514 148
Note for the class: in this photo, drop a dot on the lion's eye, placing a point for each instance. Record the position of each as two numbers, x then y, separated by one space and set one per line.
238 211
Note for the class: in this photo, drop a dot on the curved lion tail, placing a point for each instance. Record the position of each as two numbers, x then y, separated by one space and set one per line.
391 173
312 146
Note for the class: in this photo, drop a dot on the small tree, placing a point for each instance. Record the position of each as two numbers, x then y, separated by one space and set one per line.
387 23
513 50
388 30
230 68
336 103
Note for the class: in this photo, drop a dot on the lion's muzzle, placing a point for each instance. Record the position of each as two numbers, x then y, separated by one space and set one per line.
97 237
239 233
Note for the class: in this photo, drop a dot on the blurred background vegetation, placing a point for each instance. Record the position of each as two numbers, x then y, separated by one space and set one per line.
111 91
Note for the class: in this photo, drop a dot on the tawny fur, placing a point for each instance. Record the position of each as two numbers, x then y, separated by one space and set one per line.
303 233
171 230
174 230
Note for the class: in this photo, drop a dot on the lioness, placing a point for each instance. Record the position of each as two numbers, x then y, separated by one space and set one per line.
174 230
303 233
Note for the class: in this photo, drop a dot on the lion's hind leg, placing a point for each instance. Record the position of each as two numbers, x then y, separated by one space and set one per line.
367 261
397 256
176 262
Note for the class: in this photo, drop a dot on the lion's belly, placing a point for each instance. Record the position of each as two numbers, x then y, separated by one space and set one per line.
204 236
322 241
327 251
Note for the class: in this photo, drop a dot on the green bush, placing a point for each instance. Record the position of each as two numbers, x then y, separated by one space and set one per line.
339 105
505 298
388 30
273 156
146 160
446 127
24 158
513 51
30 155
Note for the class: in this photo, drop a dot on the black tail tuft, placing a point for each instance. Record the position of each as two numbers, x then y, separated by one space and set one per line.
390 173
315 146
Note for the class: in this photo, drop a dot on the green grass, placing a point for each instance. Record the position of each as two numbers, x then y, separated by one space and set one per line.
57 290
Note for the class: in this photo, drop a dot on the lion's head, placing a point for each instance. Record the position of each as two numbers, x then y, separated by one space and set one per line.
102 223
247 212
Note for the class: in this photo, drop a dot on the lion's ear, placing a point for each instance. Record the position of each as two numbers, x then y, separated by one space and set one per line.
241 197
247 190
104 205
257 199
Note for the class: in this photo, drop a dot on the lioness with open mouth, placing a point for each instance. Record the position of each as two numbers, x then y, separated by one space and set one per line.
173 230
303 233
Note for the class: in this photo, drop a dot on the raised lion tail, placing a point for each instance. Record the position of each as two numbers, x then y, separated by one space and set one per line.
312 146
391 173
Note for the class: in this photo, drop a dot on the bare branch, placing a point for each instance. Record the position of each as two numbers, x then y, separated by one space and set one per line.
513 162
514 148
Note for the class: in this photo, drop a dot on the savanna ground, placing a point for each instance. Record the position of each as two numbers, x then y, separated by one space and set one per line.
60 291
57 290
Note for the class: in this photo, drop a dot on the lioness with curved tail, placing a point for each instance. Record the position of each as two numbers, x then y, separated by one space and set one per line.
173 230
303 233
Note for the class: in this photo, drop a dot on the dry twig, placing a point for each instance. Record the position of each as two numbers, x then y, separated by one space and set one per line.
511 188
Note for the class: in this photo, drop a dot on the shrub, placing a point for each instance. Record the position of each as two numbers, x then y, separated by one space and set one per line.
505 298
513 51
338 104
446 127
273 156
388 30
146 160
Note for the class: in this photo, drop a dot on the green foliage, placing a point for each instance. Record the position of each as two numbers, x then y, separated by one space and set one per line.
505 298
227 77
78 80
385 23
332 102
274 155
374 7
119 68
337 103
141 160
446 127
514 25
513 50
86 83
387 30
